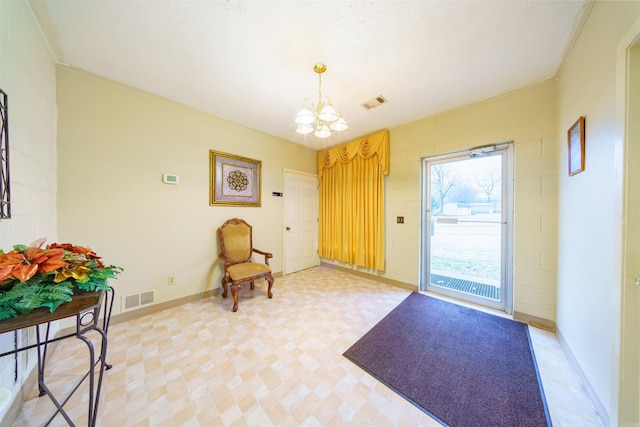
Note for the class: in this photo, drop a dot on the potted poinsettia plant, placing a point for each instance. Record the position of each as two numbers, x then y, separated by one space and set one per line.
32 276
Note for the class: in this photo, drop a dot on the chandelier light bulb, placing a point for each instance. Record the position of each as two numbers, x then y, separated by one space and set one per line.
305 117
322 131
328 113
339 125
304 129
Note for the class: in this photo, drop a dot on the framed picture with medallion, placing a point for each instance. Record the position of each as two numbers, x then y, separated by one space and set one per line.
234 180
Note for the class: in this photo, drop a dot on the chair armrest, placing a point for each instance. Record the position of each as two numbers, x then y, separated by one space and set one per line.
267 255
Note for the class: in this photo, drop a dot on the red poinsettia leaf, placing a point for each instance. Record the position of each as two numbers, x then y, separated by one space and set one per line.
32 253
48 254
87 251
25 272
56 253
65 246
11 258
51 265
5 272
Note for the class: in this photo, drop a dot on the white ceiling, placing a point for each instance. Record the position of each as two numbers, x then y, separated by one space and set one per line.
251 62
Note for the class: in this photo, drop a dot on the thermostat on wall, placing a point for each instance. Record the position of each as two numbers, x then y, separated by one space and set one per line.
169 178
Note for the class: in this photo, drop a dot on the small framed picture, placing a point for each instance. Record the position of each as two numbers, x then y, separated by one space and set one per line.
233 180
575 138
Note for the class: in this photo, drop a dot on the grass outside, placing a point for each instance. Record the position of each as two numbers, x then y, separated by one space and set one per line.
467 250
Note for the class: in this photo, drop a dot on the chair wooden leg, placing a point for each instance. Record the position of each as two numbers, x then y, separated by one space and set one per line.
270 280
234 292
253 286
224 286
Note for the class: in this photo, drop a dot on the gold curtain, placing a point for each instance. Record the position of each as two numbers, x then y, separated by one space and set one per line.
351 201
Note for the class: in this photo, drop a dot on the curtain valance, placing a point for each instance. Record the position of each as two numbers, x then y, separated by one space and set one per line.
365 147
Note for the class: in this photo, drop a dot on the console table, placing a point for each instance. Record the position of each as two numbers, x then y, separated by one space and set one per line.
85 307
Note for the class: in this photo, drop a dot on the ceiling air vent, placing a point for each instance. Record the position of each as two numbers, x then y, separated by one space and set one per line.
374 102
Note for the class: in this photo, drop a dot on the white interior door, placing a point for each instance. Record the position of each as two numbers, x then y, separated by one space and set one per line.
300 221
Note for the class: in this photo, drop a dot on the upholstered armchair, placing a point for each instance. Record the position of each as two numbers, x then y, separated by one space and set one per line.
236 250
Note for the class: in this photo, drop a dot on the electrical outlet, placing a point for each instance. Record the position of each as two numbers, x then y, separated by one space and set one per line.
400 220
171 280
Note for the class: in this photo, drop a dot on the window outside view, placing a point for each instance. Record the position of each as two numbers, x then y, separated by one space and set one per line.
465 241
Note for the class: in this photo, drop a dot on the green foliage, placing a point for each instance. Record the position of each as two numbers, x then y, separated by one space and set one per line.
24 297
20 248
7 313
42 291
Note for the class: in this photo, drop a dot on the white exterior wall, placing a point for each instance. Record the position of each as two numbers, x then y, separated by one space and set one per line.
27 75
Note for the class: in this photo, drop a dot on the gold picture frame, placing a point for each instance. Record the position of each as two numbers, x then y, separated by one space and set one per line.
575 139
234 180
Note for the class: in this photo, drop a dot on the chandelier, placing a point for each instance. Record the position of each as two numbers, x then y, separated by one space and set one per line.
320 118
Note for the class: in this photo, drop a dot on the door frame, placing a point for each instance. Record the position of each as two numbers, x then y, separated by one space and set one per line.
506 277
626 358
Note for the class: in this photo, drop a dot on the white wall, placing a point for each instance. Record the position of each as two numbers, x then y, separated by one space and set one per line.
589 241
27 75
114 144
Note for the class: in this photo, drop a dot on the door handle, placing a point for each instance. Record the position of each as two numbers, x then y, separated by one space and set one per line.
288 228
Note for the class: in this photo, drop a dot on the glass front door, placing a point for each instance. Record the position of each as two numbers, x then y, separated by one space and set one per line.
466 228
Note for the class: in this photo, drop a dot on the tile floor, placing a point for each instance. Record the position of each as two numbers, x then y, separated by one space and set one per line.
273 363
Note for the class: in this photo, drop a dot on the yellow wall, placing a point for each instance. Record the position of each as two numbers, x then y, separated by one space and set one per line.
528 117
114 144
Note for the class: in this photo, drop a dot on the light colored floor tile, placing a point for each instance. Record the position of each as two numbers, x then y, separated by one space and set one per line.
275 362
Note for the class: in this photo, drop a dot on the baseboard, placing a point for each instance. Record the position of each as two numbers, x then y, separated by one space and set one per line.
396 283
151 309
600 410
535 321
